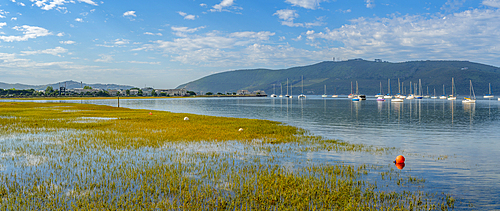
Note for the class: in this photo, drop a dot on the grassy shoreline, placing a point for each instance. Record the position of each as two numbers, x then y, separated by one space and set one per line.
83 156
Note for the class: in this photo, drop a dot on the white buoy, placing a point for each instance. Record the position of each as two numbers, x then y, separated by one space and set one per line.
241 129
186 118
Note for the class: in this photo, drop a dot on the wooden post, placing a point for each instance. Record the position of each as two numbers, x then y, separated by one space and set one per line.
118 101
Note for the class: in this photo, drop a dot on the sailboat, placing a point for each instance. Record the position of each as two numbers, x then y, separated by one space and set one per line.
281 94
410 96
274 91
287 88
419 92
472 95
351 95
452 96
302 94
444 94
489 95
434 96
324 95
427 96
291 95
335 93
388 95
356 97
380 92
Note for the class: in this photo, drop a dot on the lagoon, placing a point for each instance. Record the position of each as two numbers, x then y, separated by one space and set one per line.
451 145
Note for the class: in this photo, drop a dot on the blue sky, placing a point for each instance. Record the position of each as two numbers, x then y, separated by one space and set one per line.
163 43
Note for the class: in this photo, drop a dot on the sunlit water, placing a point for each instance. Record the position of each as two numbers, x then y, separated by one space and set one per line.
453 146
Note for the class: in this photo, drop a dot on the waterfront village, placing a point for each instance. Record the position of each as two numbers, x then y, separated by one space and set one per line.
147 91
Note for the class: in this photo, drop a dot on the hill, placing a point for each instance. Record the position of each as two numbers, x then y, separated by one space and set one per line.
68 84
339 75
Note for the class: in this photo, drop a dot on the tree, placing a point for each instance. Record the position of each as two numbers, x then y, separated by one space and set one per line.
139 93
209 93
153 93
49 90
127 92
191 93
87 87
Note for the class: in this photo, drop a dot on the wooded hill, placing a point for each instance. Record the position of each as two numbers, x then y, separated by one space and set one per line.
369 74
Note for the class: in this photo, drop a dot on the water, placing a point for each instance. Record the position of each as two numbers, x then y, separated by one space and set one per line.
451 145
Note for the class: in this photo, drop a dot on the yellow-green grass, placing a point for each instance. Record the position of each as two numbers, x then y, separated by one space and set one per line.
95 98
91 157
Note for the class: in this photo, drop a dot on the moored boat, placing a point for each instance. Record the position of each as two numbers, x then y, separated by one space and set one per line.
472 95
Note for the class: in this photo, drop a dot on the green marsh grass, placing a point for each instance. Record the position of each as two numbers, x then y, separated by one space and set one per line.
88 157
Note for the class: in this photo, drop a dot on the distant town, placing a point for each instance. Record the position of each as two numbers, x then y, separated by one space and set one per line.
88 91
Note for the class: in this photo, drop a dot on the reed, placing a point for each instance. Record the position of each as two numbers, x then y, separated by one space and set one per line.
88 157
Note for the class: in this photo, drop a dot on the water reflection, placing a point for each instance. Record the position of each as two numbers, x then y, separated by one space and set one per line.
400 165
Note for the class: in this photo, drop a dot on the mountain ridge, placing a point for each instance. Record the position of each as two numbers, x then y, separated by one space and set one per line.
338 76
69 85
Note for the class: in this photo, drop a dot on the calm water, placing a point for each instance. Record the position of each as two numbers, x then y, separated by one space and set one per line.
451 145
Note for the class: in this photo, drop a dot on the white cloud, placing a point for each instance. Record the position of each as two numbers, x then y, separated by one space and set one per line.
452 5
3 24
121 41
287 16
3 13
13 19
181 31
29 32
224 5
472 34
68 42
129 13
491 3
203 5
88 2
186 16
370 3
51 4
79 20
149 33
60 34
104 58
308 4
55 51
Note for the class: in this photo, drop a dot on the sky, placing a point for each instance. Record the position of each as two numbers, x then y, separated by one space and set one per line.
165 43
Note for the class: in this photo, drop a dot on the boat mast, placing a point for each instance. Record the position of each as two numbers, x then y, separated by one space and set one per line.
302 84
357 88
399 87
287 87
452 85
389 84
351 87
489 89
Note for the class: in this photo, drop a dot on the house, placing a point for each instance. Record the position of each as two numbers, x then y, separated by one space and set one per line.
259 92
82 90
172 92
114 92
147 91
134 92
242 92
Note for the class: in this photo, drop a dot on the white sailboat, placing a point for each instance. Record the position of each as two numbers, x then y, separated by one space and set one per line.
489 95
274 91
351 95
281 93
444 94
434 96
380 92
472 95
410 96
388 95
452 96
302 94
324 95
291 95
335 93
287 88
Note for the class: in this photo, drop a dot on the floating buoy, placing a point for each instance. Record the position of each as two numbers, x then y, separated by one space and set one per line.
150 113
241 129
400 165
400 159
186 118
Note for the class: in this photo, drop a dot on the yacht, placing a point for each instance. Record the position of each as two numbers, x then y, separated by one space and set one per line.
452 96
302 94
472 95
489 95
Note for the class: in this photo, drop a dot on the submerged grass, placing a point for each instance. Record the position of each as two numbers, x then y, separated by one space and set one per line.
90 157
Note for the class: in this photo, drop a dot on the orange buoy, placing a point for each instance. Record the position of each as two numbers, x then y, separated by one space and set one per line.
150 113
400 159
400 165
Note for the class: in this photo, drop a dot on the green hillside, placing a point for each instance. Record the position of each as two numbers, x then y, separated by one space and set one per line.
368 74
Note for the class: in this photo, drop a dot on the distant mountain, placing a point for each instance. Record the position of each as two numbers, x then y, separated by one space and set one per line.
68 84
369 74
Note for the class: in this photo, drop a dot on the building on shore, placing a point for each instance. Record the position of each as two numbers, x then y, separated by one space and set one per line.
172 92
242 92
82 90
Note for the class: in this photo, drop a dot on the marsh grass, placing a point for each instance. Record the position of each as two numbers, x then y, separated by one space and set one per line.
89 157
